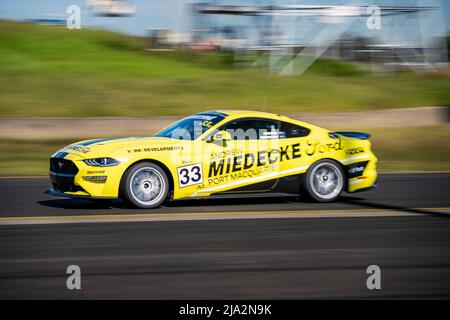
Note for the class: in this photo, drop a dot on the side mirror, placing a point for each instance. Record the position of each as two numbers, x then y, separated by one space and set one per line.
221 137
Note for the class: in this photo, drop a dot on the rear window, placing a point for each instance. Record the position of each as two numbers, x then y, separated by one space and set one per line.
290 130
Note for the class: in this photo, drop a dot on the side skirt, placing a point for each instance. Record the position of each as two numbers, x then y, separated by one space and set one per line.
283 185
55 193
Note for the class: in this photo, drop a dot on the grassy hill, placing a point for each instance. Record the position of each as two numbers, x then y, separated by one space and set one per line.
52 71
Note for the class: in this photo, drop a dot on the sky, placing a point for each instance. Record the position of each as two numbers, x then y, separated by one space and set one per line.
174 14
150 14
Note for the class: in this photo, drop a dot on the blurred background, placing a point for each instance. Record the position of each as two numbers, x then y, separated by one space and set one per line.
76 69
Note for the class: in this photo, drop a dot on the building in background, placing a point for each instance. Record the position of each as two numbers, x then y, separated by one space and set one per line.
111 8
288 37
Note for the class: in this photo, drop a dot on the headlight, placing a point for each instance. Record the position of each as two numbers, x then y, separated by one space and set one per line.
101 162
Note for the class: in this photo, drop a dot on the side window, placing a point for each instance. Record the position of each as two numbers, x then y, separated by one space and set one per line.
252 129
290 130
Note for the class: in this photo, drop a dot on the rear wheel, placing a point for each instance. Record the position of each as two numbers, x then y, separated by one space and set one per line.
145 185
324 181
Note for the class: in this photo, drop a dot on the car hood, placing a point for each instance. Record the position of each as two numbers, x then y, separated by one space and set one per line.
104 147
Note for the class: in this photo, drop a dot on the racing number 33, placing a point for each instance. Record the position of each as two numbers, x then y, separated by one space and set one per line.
189 175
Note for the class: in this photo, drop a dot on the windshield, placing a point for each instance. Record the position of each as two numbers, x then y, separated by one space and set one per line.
191 127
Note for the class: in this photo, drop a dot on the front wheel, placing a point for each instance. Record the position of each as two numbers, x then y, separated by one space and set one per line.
145 185
324 181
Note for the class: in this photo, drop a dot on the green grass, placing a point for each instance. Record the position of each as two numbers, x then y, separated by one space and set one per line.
26 157
412 149
398 150
51 71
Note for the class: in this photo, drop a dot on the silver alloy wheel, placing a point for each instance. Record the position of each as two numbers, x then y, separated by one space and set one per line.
326 181
147 186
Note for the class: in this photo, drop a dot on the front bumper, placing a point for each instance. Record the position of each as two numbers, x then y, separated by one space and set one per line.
83 181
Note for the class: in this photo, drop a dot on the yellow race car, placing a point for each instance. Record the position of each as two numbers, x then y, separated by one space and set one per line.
217 153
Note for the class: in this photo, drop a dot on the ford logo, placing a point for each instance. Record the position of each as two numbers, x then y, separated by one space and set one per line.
355 170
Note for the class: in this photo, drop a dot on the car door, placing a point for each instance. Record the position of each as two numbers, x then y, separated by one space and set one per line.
252 141
292 143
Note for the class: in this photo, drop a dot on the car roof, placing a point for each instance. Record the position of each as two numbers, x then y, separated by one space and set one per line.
235 114
247 113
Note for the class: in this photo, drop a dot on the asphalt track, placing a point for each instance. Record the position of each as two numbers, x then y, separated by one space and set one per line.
229 248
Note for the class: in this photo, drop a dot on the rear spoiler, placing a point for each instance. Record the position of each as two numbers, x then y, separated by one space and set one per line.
349 134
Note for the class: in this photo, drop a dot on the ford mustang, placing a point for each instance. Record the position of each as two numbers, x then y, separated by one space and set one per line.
217 153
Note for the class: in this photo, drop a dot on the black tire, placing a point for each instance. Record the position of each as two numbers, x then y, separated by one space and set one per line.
141 181
318 182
